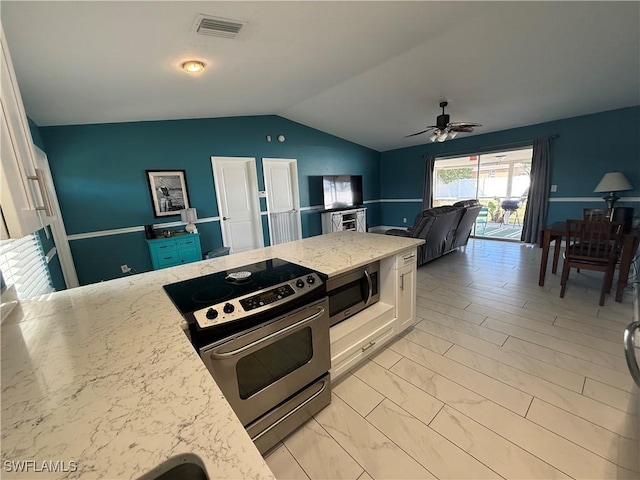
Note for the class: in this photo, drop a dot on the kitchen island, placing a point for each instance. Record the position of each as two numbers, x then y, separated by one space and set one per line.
101 382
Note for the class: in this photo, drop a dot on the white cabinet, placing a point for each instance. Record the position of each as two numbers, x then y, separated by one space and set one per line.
356 338
23 198
354 219
406 283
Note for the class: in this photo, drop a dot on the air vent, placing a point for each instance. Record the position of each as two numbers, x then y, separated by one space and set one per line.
218 27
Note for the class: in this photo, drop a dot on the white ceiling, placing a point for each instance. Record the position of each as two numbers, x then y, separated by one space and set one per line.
369 72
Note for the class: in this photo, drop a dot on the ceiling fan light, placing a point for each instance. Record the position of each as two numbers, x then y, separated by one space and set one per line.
442 137
452 134
433 136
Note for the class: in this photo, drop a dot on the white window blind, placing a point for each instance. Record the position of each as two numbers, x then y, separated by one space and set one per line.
23 265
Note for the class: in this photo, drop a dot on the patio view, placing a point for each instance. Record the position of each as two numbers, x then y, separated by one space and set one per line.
499 180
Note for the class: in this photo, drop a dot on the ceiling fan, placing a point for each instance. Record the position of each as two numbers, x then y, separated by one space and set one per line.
445 129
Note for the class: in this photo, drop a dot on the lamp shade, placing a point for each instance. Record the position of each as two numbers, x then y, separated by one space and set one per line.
613 182
188 215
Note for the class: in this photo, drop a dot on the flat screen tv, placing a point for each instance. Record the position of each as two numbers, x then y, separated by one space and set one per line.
342 191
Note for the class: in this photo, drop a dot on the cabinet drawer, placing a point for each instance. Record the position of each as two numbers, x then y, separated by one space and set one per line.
186 243
165 247
168 259
406 258
343 361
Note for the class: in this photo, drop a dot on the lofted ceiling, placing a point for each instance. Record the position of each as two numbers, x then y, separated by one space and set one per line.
369 72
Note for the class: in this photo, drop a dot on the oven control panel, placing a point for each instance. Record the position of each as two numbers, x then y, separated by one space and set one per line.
256 302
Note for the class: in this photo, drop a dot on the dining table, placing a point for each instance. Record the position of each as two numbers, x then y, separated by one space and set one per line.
555 232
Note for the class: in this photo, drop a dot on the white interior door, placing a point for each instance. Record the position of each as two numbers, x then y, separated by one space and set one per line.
236 184
283 200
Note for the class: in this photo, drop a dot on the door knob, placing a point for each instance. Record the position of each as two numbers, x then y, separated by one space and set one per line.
225 218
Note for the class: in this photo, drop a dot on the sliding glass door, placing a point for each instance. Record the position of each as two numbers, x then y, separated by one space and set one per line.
500 180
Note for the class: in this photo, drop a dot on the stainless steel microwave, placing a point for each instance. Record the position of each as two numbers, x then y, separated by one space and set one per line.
352 292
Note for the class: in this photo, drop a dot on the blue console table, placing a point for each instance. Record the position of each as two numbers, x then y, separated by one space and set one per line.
174 250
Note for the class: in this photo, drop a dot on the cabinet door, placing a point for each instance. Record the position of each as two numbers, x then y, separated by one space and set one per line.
361 217
406 297
23 189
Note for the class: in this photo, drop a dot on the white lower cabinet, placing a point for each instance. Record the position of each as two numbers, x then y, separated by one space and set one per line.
406 297
356 338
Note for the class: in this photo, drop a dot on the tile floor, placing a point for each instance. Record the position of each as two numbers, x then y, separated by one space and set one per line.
499 379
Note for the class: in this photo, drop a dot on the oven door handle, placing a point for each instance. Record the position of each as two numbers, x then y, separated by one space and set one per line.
629 351
370 283
288 414
271 336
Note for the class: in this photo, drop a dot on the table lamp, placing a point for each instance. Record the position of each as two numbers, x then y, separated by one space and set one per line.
189 215
612 182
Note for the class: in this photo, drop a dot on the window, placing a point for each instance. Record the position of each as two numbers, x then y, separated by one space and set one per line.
23 265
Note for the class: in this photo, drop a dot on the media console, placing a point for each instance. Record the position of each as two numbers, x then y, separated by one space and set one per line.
353 219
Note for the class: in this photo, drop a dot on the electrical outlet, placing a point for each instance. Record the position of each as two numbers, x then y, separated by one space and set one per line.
125 268
554 188
404 219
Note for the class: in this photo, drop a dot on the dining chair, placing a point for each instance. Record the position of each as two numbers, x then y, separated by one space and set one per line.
597 214
592 245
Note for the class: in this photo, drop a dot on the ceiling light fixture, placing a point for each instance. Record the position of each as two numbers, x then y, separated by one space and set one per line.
193 66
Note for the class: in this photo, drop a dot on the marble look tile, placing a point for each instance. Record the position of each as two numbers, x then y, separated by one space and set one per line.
556 331
621 380
586 434
625 401
452 329
433 343
310 439
357 394
476 296
284 465
622 317
586 353
560 453
502 311
426 298
599 328
572 308
502 394
452 312
433 451
541 369
506 458
386 358
379 456
420 404
587 408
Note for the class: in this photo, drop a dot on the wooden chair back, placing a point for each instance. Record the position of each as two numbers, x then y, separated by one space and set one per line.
593 241
596 214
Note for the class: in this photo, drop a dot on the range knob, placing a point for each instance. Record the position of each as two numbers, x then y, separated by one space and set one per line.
228 308
311 280
212 314
300 283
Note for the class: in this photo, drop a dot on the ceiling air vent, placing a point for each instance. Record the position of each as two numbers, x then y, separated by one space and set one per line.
218 27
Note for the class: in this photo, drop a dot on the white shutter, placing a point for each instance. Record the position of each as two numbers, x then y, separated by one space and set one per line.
23 265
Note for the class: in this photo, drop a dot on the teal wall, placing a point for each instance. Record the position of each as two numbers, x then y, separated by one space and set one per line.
99 172
586 148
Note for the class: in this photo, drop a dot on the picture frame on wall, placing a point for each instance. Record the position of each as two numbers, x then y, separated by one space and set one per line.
168 190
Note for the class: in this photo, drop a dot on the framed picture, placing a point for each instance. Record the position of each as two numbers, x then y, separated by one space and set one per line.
168 190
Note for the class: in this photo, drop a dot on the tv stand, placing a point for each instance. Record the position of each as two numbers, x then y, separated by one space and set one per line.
354 219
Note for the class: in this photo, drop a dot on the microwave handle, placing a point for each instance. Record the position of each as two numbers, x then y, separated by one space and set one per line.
370 292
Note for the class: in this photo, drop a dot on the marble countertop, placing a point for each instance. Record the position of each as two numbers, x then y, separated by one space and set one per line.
102 379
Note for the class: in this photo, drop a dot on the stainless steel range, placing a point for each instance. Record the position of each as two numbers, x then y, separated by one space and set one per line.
262 330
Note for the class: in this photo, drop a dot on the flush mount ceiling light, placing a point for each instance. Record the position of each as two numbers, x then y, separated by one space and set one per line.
193 66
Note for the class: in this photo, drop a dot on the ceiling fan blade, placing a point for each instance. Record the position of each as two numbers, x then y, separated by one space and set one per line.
461 129
420 133
464 124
